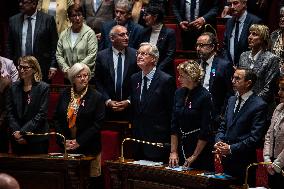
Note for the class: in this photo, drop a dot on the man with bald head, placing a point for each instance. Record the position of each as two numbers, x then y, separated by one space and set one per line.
114 66
8 182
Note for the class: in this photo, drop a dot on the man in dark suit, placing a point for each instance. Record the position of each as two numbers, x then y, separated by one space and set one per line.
97 13
33 32
123 10
218 72
114 67
192 18
237 30
152 92
242 129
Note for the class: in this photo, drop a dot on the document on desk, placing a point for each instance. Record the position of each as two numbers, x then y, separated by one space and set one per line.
179 168
147 163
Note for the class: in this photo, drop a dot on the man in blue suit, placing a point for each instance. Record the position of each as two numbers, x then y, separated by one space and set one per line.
237 30
192 15
123 10
112 79
242 129
152 92
218 72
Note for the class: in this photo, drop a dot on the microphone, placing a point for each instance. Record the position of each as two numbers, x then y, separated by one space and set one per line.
65 156
161 145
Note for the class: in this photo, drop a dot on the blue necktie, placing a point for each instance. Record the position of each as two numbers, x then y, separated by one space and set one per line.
118 77
144 89
29 38
192 10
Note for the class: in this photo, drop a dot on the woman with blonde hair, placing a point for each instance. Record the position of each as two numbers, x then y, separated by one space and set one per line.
191 139
27 102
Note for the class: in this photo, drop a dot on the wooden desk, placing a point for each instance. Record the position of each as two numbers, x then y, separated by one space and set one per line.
42 172
130 176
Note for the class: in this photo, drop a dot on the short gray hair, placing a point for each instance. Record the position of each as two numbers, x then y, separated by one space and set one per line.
125 5
113 30
154 51
75 69
281 9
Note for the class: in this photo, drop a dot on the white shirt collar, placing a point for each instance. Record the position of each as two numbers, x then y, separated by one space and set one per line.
115 51
32 16
246 95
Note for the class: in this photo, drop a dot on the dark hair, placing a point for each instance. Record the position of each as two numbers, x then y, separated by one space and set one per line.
155 11
249 75
212 38
74 8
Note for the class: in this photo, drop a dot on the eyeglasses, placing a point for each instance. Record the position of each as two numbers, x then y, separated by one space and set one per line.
201 45
25 68
122 34
83 76
76 15
142 53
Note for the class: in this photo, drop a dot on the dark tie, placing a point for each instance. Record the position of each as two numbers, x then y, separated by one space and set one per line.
29 38
192 9
238 106
236 41
118 76
144 90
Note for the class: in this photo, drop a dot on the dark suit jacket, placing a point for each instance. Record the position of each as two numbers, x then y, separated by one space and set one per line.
133 29
152 119
243 42
167 46
88 122
103 13
220 83
34 117
242 133
45 40
208 9
105 76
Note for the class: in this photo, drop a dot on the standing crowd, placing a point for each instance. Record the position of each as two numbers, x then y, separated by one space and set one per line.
118 57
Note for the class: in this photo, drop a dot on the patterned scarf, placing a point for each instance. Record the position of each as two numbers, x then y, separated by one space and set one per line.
73 107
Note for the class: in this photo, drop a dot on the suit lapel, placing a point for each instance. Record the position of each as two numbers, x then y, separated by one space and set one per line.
111 65
126 64
37 28
161 37
20 29
230 111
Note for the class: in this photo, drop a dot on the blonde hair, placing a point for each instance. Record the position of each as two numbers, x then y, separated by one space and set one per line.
32 61
263 32
192 70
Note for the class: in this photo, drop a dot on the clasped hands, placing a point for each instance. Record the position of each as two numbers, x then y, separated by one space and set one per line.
197 24
72 144
118 106
173 160
19 138
222 149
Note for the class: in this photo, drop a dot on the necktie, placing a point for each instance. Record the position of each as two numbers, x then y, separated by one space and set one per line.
29 37
236 41
192 10
118 76
144 90
238 106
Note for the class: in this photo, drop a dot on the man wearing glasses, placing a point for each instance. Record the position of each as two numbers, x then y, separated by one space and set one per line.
33 32
152 94
242 129
114 67
123 17
218 72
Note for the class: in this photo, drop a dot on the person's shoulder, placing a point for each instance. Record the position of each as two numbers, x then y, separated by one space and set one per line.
6 61
135 26
164 75
253 18
131 50
108 24
42 84
45 15
257 100
15 17
87 29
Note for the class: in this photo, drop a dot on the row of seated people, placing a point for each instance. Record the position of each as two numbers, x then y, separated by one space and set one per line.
185 118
